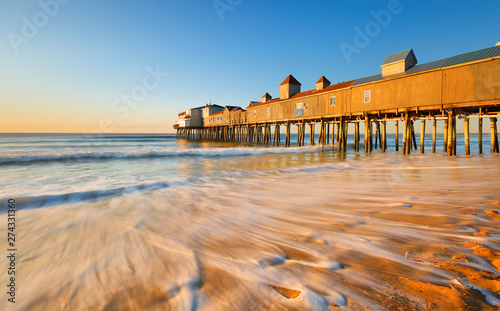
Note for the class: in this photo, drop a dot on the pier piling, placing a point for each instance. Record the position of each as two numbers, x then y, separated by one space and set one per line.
494 136
396 133
422 135
434 135
311 135
466 135
356 135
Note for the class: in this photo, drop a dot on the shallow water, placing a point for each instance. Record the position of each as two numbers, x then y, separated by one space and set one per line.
214 226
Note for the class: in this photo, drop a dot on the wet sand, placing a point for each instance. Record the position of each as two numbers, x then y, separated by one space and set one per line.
382 233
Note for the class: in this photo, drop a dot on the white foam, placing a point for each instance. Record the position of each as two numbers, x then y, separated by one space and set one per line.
89 195
204 152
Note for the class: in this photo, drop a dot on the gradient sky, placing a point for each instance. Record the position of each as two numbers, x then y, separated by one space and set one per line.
71 74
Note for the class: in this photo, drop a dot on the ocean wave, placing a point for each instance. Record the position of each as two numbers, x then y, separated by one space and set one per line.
12 159
78 142
91 195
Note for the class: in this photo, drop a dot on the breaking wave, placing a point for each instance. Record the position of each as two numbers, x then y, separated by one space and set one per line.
13 159
91 195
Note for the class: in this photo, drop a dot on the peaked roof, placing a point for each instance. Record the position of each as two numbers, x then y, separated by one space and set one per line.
230 107
290 80
267 95
326 89
323 79
306 93
398 56
255 104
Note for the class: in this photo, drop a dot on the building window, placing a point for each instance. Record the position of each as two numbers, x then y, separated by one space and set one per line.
333 101
268 111
195 111
299 109
368 96
255 113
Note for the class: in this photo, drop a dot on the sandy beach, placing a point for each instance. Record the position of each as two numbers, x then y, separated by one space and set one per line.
382 232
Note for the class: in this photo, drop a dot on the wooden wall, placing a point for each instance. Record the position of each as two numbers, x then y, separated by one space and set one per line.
417 90
474 82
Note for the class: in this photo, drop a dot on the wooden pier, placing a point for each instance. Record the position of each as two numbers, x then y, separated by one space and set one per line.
441 93
375 134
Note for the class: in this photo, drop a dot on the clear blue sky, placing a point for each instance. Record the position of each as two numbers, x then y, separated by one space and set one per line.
66 76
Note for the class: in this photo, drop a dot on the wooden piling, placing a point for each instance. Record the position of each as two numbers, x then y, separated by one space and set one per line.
333 134
494 137
434 135
279 135
466 135
356 136
287 139
377 131
370 136
323 132
298 134
480 135
338 131
269 135
414 139
405 135
311 135
264 134
341 134
396 134
384 136
422 136
445 136
321 138
346 129
327 133
320 132
454 132
450 133
287 134
366 146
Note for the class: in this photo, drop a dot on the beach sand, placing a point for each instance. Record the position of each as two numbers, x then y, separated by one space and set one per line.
415 233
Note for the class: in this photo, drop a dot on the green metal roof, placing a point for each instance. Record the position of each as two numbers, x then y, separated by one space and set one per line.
454 60
472 56
398 56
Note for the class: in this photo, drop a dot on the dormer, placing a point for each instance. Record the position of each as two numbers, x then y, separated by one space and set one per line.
266 97
398 63
322 83
289 87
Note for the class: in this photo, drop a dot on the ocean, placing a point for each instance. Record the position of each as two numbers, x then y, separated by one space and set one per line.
149 222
